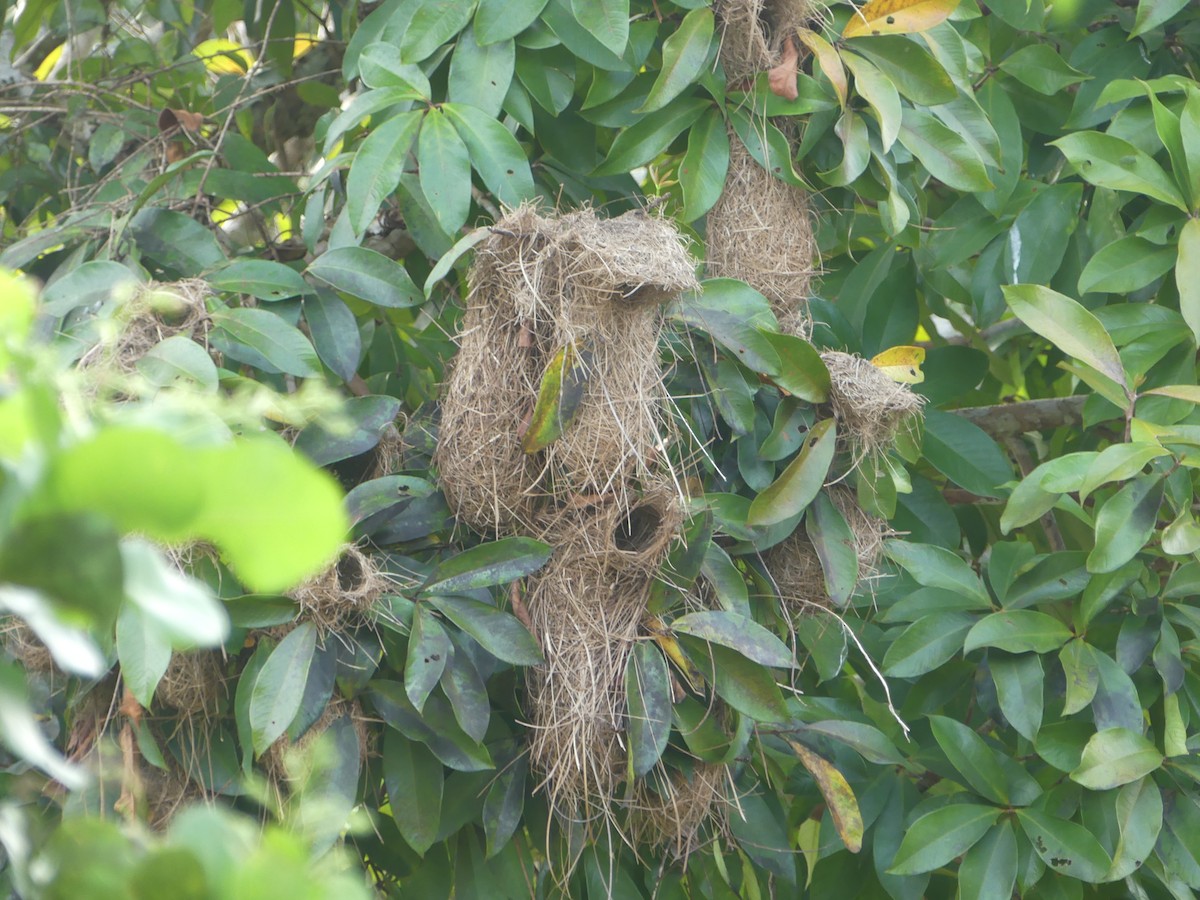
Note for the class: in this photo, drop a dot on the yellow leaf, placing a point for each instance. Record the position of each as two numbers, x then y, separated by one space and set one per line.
559 397
224 57
897 17
902 364
42 72
829 61
674 652
839 796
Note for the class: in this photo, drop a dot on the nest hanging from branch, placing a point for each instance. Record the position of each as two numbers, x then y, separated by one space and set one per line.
753 32
676 814
586 607
538 285
342 596
26 647
760 231
154 312
870 407
194 684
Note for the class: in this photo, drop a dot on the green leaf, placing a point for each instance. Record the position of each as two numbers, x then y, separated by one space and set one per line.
912 69
801 480
23 734
279 687
738 633
497 562
927 643
1126 523
560 395
971 757
504 804
1019 681
945 154
1126 265
606 20
939 836
436 728
834 543
1018 631
377 167
1187 271
179 359
364 105
144 653
648 695
1067 325
705 165
1139 813
1067 848
264 340
433 23
428 650
1113 757
413 778
367 275
1108 161
260 278
379 67
334 332
1082 675
499 633
1038 66
938 567
93 282
964 453
731 312
480 75
839 796
989 869
1189 135
684 54
745 685
868 741
879 91
1152 13
495 153
499 20
802 372
461 247
1116 463
176 241
640 143
444 170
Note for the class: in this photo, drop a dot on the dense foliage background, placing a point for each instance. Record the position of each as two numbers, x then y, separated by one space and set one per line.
1004 709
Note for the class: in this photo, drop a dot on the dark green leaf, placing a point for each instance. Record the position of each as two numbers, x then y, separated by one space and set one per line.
499 633
504 804
498 20
334 332
1038 66
1018 631
1126 523
972 757
279 687
738 633
497 562
802 372
176 241
413 778
648 695
637 145
989 869
1067 848
705 165
1126 265
1116 756
437 729
444 166
1082 675
926 644
964 453
938 837
1019 684
835 545
367 275
1108 161
801 480
947 156
428 650
938 567
911 68
433 23
606 20
377 167
495 153
731 311
480 75
684 54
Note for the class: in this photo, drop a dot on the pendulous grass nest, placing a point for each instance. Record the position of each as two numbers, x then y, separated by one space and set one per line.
342 596
194 683
586 607
538 284
761 232
870 407
753 31
25 647
154 312
677 813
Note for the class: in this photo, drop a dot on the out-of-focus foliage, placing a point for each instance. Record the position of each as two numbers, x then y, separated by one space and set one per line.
1007 707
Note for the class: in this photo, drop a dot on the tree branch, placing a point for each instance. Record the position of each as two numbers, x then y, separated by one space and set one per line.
1009 419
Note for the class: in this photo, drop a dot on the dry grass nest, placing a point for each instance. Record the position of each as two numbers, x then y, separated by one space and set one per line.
538 284
870 407
194 684
342 596
676 814
761 232
796 568
155 312
753 31
586 607
275 760
24 646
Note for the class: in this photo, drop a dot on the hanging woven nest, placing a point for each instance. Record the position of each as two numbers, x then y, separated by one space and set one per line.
870 407
154 312
194 684
344 594
753 32
677 813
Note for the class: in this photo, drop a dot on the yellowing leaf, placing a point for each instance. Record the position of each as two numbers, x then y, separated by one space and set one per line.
897 17
902 364
224 57
674 652
559 397
829 61
839 796
42 72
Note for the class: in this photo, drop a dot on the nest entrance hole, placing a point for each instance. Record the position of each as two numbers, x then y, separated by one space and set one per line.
640 530
350 573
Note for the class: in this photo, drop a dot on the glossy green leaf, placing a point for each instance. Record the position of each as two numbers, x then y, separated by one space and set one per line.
480 75
1019 684
836 548
144 653
989 869
705 165
414 781
970 755
939 836
938 567
1065 847
367 275
176 241
879 91
926 644
1018 631
433 23
1187 271
495 153
800 482
638 144
1139 813
944 153
444 167
501 634
274 345
436 727
648 695
1082 675
738 633
964 453
912 69
504 804
1117 463
1126 522
379 66
499 20
745 685
1126 265
428 650
606 20
279 687
559 398
1108 161
1067 325
334 332
496 562
1115 756
92 282
871 743
802 372
377 167
684 54
1040 67
179 360
1152 13
729 310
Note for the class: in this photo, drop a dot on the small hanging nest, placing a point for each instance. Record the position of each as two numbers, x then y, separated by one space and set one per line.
155 312
679 813
586 607
275 760
760 231
165 793
342 596
24 646
869 532
539 284
796 568
388 454
753 31
870 407
194 684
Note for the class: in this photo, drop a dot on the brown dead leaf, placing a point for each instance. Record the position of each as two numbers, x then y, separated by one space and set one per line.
179 118
130 708
782 78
